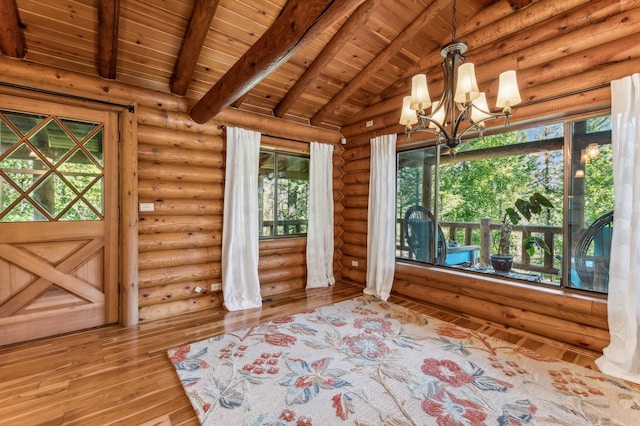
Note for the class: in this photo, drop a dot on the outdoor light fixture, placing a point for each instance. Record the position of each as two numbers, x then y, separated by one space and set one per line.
461 99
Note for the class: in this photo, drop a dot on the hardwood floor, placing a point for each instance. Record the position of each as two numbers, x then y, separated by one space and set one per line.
117 375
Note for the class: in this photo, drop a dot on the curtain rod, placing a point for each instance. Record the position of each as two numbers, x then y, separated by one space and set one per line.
130 108
562 95
224 127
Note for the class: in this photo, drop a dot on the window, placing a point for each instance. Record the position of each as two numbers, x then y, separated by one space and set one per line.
51 168
283 191
462 199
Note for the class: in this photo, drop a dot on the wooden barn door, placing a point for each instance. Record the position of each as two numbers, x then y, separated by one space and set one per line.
58 219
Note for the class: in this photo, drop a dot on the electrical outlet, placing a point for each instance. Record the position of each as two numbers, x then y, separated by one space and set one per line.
147 207
369 123
354 263
216 286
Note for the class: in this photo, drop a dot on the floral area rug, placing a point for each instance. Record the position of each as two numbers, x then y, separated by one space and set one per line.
367 362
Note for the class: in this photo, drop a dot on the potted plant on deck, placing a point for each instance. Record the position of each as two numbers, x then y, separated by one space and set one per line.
503 260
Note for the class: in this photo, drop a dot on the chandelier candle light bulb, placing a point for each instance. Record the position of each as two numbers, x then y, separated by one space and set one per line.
467 87
479 111
508 93
408 117
420 99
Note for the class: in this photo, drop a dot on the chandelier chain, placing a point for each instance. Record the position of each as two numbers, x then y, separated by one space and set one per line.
453 22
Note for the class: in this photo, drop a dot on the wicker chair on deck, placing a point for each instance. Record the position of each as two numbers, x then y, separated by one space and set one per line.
592 253
418 228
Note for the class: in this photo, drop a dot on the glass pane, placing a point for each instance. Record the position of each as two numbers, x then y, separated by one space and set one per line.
24 122
79 170
488 176
8 194
283 188
266 194
79 129
94 146
7 137
24 212
53 195
23 167
52 141
416 225
292 194
79 211
500 186
591 202
94 196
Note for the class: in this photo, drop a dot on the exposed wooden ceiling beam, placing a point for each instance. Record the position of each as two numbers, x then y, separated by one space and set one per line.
299 23
326 55
11 35
431 12
201 17
108 19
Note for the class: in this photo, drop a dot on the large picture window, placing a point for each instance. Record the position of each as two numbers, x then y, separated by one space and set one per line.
453 210
283 190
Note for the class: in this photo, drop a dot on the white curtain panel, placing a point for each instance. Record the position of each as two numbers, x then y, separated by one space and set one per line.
320 215
240 284
622 357
381 237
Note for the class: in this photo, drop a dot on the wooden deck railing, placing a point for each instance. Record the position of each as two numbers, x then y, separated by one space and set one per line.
286 227
484 234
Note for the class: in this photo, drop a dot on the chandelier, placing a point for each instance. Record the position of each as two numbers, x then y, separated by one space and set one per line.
462 107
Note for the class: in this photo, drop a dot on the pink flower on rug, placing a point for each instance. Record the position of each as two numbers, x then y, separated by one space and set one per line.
452 411
179 354
373 325
367 346
446 371
280 339
283 320
287 415
304 421
565 381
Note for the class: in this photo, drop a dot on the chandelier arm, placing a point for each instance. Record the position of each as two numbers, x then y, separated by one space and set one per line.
442 132
476 124
456 125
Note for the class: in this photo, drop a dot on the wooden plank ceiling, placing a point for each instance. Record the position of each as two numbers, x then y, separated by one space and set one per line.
328 63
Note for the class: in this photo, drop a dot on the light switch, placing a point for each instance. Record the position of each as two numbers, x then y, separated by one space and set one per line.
147 207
